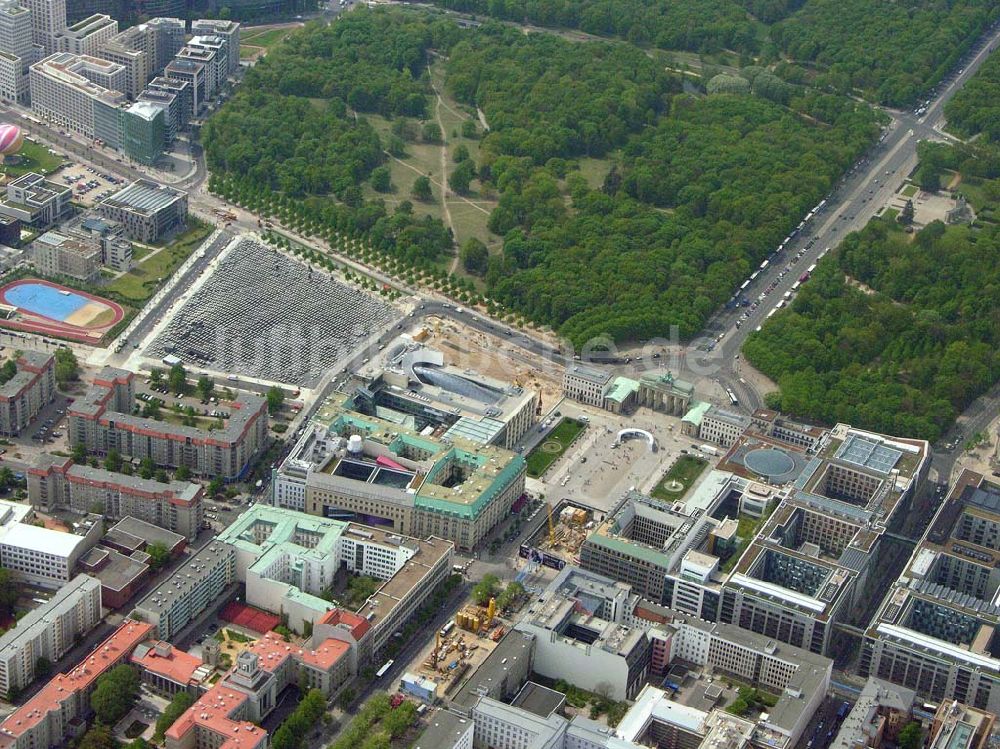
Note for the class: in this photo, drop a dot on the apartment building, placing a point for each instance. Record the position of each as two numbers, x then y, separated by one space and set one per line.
206 579
78 92
35 201
17 51
182 107
226 30
48 631
212 62
147 210
31 388
936 630
55 254
56 483
195 75
59 712
102 421
48 22
144 50
122 49
89 35
213 52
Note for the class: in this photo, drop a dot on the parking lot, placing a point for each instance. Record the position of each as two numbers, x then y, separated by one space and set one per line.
90 186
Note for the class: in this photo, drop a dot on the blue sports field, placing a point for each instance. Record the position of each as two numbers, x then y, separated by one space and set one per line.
41 299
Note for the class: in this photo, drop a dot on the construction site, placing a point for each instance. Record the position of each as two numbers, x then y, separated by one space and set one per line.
495 357
460 647
557 542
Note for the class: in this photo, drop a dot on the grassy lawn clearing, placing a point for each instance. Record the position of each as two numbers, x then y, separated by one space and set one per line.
552 447
680 477
142 281
34 158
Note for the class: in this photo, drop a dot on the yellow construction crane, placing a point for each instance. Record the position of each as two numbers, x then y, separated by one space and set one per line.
491 611
552 532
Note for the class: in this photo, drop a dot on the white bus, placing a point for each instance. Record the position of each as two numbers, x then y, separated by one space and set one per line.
385 668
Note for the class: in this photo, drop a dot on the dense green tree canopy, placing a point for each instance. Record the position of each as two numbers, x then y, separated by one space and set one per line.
700 25
114 694
293 128
697 202
905 354
545 98
891 50
975 108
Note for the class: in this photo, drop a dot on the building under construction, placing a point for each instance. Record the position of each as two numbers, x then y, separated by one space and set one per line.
559 539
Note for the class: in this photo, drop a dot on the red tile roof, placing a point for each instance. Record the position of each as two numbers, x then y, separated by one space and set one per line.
213 712
175 665
326 656
272 650
108 654
357 624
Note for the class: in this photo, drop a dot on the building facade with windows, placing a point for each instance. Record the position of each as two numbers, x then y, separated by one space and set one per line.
586 384
75 91
35 201
48 631
17 51
936 631
816 557
24 395
56 483
361 467
102 421
61 709
146 209
721 426
89 35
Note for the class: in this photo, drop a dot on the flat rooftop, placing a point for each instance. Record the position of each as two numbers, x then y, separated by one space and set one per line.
429 552
539 700
513 646
147 532
458 476
116 571
145 196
